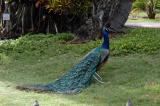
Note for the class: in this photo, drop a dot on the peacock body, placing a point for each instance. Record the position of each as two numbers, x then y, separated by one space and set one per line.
81 74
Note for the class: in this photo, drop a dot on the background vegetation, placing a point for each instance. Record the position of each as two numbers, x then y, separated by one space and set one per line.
151 7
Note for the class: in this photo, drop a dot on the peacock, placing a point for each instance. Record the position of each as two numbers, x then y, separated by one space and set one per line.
80 75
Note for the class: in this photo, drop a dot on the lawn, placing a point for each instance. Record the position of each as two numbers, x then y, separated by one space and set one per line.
138 20
142 17
131 72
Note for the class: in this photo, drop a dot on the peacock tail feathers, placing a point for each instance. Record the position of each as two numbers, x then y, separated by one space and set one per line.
77 78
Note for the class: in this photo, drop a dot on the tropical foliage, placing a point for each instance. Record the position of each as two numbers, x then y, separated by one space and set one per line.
63 16
150 6
63 6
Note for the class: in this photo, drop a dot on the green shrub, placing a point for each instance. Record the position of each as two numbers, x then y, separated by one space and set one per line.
64 37
145 41
36 46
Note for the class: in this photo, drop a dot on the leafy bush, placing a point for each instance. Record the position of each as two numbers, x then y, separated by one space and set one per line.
64 37
145 41
36 45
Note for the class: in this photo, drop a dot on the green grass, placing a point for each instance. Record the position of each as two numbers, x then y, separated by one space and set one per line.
130 72
143 13
138 20
141 18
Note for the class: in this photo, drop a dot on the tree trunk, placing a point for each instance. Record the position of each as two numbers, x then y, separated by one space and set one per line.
120 16
151 15
31 18
151 12
113 12
151 9
23 19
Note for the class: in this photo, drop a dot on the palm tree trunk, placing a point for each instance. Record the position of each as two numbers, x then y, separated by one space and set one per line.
151 12
151 9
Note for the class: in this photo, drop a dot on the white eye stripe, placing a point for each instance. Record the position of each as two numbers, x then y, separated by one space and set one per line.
105 29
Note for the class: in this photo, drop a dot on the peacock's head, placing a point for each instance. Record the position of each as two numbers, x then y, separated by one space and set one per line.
105 32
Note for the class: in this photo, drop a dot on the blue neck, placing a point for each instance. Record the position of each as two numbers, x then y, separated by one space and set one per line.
105 43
